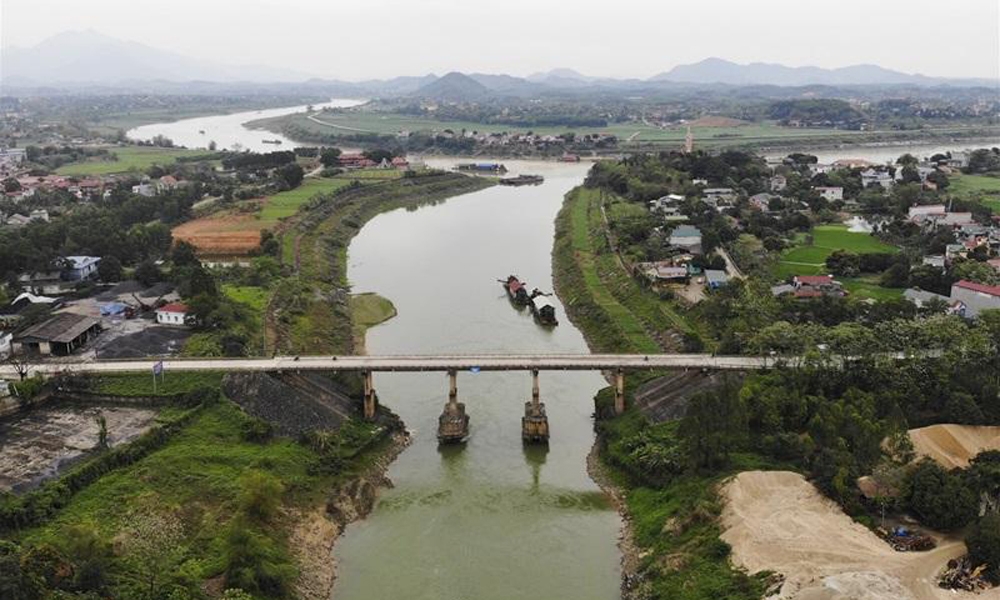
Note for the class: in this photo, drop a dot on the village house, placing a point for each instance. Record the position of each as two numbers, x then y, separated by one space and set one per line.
663 271
936 261
715 278
174 313
144 189
61 334
975 297
778 183
921 298
686 237
871 177
166 183
664 202
831 193
811 286
762 202
79 268
920 213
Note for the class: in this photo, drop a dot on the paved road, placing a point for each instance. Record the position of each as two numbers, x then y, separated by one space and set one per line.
484 362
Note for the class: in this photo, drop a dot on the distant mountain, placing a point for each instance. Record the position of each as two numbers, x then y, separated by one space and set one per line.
453 87
717 70
88 56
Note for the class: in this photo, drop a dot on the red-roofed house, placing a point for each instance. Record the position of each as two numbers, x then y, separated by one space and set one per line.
400 163
814 286
174 313
976 297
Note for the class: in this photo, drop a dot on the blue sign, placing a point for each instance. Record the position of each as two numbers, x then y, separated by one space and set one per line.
158 368
474 369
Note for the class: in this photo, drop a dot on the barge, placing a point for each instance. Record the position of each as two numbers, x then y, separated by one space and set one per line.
270 141
487 168
543 310
522 180
516 291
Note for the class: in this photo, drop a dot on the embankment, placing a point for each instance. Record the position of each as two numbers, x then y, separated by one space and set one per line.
311 312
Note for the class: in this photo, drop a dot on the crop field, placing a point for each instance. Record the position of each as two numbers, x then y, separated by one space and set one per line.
811 259
130 158
984 187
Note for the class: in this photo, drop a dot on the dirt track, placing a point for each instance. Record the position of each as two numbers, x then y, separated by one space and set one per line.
776 520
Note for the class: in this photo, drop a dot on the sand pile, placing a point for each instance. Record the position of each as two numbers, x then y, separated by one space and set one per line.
778 521
953 445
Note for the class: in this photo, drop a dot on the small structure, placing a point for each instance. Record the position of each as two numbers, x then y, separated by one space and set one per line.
975 297
814 286
453 424
831 193
535 423
61 335
921 297
778 183
174 313
144 189
12 313
686 237
871 177
6 342
79 268
715 278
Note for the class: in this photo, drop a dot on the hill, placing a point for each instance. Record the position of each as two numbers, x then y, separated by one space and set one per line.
453 87
717 70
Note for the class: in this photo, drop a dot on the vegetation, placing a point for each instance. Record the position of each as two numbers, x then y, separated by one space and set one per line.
368 310
128 158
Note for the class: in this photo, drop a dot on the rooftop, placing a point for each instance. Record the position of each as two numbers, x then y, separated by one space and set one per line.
62 328
990 290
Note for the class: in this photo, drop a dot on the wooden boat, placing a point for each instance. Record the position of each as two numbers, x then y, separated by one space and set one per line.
516 291
543 309
522 180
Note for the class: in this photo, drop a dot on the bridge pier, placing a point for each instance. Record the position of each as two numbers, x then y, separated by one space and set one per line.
371 399
619 391
453 424
534 423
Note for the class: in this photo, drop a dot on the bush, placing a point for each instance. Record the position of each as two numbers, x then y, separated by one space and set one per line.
254 563
256 430
260 495
984 545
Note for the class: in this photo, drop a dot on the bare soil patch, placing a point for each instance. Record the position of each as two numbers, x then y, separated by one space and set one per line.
954 445
222 234
778 521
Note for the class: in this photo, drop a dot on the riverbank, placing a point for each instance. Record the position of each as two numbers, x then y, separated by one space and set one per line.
193 489
311 311
670 533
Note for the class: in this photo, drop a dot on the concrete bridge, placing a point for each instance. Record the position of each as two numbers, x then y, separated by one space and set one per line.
454 423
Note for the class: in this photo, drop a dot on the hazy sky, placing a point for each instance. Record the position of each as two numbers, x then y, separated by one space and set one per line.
360 39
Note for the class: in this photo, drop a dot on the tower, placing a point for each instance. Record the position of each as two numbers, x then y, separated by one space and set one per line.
689 141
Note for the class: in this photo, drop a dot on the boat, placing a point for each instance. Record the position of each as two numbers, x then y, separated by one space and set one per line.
201 131
543 309
270 141
516 291
494 168
522 180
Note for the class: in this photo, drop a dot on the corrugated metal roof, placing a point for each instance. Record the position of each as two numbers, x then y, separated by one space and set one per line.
62 328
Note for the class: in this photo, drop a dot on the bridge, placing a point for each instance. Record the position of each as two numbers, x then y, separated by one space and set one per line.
454 423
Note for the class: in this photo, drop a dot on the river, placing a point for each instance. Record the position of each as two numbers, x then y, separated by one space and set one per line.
227 131
491 519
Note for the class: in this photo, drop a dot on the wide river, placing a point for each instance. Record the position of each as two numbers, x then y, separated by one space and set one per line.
492 519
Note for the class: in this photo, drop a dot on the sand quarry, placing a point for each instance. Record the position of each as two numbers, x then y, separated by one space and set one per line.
953 445
778 521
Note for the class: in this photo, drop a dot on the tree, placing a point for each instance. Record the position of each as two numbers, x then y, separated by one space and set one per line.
260 495
102 431
330 157
377 155
975 271
90 554
940 499
183 254
109 269
983 543
148 273
253 562
714 425
15 583
291 174
843 263
19 362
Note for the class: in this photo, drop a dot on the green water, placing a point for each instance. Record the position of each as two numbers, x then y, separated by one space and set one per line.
492 519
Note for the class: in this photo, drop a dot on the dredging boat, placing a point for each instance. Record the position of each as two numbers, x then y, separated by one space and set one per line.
516 291
543 309
522 180
488 168
270 141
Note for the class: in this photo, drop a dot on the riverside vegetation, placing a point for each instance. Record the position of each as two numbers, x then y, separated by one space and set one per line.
824 421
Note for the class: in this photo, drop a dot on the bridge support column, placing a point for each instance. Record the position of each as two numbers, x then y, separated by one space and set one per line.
453 424
619 391
535 423
371 399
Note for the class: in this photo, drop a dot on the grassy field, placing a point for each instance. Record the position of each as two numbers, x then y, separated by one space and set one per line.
868 287
368 310
810 260
130 158
189 491
141 384
286 204
984 187
391 123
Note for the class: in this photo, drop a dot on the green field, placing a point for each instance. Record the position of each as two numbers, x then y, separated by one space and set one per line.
286 204
368 310
811 260
984 187
353 122
868 287
130 158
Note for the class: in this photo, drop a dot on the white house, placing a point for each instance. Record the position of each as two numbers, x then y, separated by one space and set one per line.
144 189
831 193
663 202
174 313
686 237
872 177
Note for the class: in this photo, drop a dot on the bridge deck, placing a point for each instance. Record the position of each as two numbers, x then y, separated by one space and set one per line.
483 362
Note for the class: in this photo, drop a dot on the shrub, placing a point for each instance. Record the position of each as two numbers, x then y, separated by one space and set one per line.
256 430
940 499
254 563
260 495
984 545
